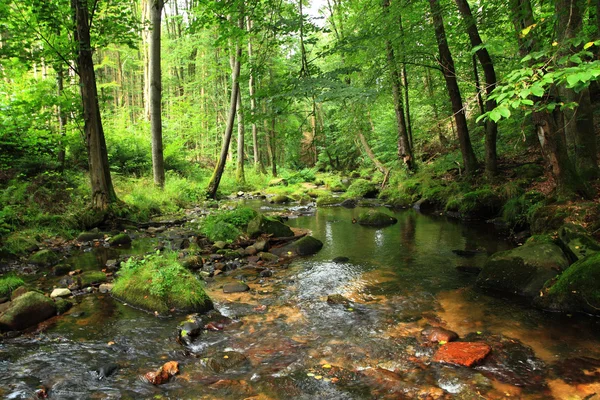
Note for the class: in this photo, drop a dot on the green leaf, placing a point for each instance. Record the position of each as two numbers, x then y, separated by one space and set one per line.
588 45
527 102
537 90
495 115
572 79
504 111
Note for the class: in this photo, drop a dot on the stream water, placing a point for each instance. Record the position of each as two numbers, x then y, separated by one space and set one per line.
290 343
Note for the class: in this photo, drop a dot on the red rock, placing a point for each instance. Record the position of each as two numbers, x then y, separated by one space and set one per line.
438 334
462 353
163 374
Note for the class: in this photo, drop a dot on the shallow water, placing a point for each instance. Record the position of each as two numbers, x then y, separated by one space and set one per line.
294 344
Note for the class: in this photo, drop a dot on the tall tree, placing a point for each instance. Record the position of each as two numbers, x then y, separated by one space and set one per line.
447 65
158 163
103 193
491 127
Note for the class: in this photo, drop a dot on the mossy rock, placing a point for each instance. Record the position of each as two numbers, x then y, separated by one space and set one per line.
546 219
376 218
576 243
278 182
27 310
281 199
529 171
362 188
89 278
161 284
62 306
192 263
44 257
524 270
8 284
306 246
478 204
89 236
325 201
18 243
577 289
265 225
122 239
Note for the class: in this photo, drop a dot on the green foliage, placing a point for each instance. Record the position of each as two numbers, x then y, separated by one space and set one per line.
304 175
518 210
361 188
159 283
228 225
8 283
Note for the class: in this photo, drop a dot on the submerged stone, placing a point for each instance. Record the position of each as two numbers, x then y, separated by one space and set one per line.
44 257
466 354
163 374
306 246
122 239
376 218
227 360
235 287
438 334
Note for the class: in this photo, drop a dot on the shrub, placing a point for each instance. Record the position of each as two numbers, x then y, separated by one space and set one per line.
227 225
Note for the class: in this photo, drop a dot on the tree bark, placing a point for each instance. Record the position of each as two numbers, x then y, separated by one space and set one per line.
447 64
239 172
62 117
251 89
404 150
235 88
368 150
158 164
404 77
491 128
103 193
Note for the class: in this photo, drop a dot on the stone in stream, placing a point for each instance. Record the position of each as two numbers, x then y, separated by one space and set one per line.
21 290
306 246
376 218
281 199
193 263
61 269
261 244
338 299
235 287
265 225
105 371
163 374
106 287
122 239
268 257
227 360
466 354
439 334
576 243
349 203
60 292
44 257
251 250
89 236
340 260
469 269
27 310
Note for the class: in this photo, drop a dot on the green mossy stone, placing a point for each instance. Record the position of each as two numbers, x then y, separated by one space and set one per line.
89 236
524 270
306 246
576 243
577 289
529 171
376 218
265 225
90 278
325 201
192 263
546 219
122 239
278 182
27 310
8 284
281 199
362 188
44 257
62 306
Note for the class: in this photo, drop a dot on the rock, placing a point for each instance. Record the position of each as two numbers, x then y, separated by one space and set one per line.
576 243
261 244
106 288
424 205
577 289
466 354
324 201
106 370
62 306
438 334
338 299
27 310
251 250
278 182
60 292
281 199
227 360
306 246
163 374
156 229
349 203
268 257
466 253
180 244
44 257
192 263
219 245
61 269
340 260
265 225
376 218
122 239
91 278
523 270
267 273
21 290
235 287
112 264
4 306
89 236
469 269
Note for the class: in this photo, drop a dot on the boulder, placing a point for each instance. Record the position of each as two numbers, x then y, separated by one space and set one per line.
163 374
91 278
349 203
268 257
338 299
192 263
227 360
106 288
60 292
577 289
27 310
281 199
122 239
306 246
265 225
62 269
44 257
376 218
235 287
323 201
523 270
466 354
89 236
576 243
62 305
340 260
20 291
438 334
278 182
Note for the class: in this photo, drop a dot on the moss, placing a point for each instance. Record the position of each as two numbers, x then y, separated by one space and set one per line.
44 257
227 225
547 239
159 283
545 219
328 201
62 306
89 236
19 243
122 239
529 171
281 199
376 218
9 283
482 203
89 278
27 310
578 288
262 224
362 188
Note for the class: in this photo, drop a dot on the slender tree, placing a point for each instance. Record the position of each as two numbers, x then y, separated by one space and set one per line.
158 164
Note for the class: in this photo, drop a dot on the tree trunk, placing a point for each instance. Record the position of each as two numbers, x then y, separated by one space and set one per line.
103 193
404 77
404 150
447 64
368 150
239 172
251 86
491 128
235 88
443 140
158 164
62 117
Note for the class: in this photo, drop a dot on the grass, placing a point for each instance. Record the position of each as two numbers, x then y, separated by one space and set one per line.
9 283
159 282
227 225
